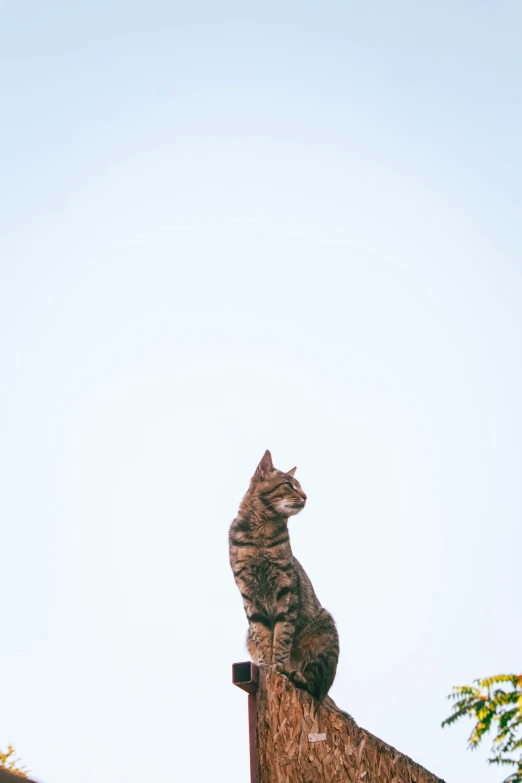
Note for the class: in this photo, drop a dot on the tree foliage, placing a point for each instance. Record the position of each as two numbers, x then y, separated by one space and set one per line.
494 708
9 761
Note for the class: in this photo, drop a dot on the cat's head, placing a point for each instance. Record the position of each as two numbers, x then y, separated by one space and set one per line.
277 492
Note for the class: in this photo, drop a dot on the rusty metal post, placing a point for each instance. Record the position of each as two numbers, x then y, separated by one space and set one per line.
246 676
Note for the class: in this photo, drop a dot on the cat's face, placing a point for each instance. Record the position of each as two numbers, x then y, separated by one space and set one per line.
279 492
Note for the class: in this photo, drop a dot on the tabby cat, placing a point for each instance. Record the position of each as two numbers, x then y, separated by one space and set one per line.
288 627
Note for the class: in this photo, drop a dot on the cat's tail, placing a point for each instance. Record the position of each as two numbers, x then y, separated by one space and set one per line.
329 702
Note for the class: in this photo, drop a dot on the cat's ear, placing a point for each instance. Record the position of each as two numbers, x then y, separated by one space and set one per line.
265 467
291 472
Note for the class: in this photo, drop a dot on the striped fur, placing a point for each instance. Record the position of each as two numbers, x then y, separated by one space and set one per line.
288 627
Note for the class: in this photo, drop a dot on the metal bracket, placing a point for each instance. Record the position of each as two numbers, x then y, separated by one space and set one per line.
246 676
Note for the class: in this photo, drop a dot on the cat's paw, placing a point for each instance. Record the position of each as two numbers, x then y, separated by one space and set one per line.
298 679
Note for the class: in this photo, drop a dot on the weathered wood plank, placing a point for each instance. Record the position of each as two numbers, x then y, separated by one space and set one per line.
291 748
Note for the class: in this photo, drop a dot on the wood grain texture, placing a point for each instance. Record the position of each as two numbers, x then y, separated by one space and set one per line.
286 717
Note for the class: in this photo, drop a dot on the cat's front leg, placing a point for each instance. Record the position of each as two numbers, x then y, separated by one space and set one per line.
284 619
283 636
260 631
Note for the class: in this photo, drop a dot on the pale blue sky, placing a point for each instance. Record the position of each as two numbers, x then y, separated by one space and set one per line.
226 228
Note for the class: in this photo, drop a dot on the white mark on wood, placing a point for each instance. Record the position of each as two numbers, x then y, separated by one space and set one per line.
316 737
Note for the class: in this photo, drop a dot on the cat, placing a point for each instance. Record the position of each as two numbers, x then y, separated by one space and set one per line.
288 627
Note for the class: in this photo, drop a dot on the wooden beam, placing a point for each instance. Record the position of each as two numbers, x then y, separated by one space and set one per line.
295 739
